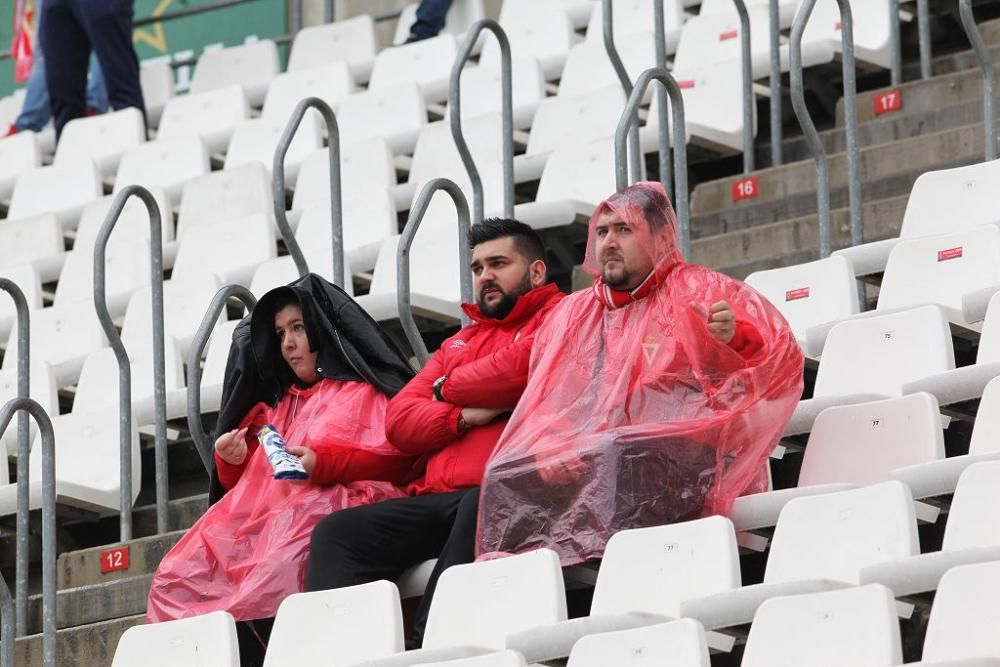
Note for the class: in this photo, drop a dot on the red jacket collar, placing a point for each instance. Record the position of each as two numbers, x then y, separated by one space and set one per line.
523 310
616 298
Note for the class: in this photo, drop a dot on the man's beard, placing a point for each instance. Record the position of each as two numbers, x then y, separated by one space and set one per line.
502 308
622 279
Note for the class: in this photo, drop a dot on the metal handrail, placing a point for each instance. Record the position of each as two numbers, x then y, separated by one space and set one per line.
124 367
747 84
985 61
48 529
455 111
895 45
774 104
809 129
635 151
336 209
201 337
924 36
417 212
7 616
665 157
23 451
628 119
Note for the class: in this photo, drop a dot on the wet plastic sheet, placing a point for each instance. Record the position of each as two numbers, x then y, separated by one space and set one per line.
248 552
657 420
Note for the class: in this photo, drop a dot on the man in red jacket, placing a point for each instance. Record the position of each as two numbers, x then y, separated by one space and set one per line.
453 413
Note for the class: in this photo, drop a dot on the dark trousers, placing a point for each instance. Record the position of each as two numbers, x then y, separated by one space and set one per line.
380 541
431 15
70 30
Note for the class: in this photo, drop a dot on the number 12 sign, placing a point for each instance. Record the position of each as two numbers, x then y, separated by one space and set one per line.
113 560
746 188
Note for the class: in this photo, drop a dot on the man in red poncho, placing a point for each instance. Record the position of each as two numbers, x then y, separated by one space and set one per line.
452 413
655 396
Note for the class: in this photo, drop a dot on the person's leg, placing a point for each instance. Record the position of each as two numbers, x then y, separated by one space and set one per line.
66 50
372 542
431 15
109 26
35 111
97 93
458 550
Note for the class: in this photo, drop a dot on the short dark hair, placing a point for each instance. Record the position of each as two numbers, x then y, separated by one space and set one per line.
526 240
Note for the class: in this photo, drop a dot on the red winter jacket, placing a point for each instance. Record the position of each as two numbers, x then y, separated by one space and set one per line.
487 367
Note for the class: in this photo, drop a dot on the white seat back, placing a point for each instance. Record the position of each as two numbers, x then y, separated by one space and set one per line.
217 354
871 29
653 570
714 38
164 164
972 521
479 604
156 77
201 640
364 622
98 385
426 63
365 165
436 154
63 336
633 16
133 223
25 277
352 40
544 33
963 624
984 438
582 172
211 115
854 626
224 197
251 65
102 138
481 93
368 220
680 643
30 239
18 153
396 113
42 389
62 189
588 67
331 83
952 200
229 252
879 354
573 120
126 269
184 306
256 141
834 535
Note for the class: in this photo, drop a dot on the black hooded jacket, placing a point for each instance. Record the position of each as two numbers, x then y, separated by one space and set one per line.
349 344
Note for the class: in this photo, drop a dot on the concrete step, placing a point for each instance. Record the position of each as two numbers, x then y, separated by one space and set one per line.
83 567
85 605
181 515
84 646
955 146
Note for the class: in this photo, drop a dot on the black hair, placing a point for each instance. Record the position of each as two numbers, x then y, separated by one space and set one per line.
526 240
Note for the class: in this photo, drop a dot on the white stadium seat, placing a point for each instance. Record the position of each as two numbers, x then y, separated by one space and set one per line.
37 240
962 623
225 196
496 659
680 643
247 242
133 223
544 33
256 141
213 373
126 266
25 276
167 164
102 138
18 153
365 165
426 63
715 38
368 219
588 67
395 113
212 115
42 389
572 120
633 16
63 189
251 65
481 92
578 11
184 305
201 640
821 40
330 83
157 80
352 40
786 8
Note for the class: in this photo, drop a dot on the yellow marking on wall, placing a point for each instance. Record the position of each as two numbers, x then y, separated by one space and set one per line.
156 38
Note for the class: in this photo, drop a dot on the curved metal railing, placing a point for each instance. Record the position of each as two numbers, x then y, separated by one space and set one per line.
278 187
747 85
634 149
809 129
985 61
124 367
455 113
48 534
774 104
403 300
666 160
629 119
201 440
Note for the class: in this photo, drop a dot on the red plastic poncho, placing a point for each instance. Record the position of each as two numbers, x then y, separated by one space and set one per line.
249 550
660 421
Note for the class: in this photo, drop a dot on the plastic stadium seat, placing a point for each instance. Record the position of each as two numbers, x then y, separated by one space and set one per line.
854 445
873 357
133 224
481 93
588 67
426 63
63 189
944 201
255 141
573 120
786 9
936 478
365 165
212 115
497 659
477 605
972 535
201 640
251 65
578 11
634 16
18 153
395 113
42 389
63 336
714 38
24 276
645 576
680 643
184 305
213 373
229 251
821 543
962 623
810 294
38 240
157 81
10 106
821 41
544 33
87 455
368 220
352 40
102 138
857 626
225 196
363 622
461 16
330 83
126 266
167 164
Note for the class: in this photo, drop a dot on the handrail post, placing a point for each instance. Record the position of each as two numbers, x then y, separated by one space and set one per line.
774 104
7 624
23 451
985 62
812 136
403 301
895 45
924 35
124 366
666 159
201 440
336 209
747 83
635 151
455 113
48 528
628 120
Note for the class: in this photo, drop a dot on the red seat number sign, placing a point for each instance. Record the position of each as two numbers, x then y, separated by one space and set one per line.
728 34
113 560
888 102
796 294
950 253
746 188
